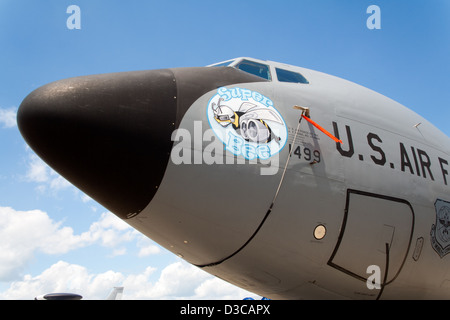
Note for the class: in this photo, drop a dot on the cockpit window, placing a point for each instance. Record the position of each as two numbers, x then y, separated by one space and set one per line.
222 64
289 76
257 69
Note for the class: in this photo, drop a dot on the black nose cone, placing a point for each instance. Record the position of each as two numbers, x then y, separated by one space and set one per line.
109 135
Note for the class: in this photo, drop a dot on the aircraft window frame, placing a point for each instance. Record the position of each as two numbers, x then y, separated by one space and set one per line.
252 68
222 64
290 76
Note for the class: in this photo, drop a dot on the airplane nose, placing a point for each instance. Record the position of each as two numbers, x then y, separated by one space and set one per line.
109 135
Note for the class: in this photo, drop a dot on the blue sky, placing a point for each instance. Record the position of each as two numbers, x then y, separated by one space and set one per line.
53 237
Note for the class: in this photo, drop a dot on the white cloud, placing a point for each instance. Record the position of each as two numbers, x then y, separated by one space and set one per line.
8 117
110 231
178 280
57 182
25 233
48 179
148 250
85 198
38 171
62 277
217 289
147 247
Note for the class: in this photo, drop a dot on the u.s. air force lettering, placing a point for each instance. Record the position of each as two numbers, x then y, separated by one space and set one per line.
440 231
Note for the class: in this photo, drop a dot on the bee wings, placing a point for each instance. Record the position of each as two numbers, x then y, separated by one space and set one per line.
252 111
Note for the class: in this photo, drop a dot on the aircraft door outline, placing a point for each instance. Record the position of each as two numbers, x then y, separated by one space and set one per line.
363 241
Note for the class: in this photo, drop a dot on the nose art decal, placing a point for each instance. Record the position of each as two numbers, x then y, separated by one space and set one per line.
247 123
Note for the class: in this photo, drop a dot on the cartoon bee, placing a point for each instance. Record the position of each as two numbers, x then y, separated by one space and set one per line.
249 121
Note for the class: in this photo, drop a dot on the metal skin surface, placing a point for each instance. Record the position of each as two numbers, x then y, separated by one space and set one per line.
379 198
110 134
